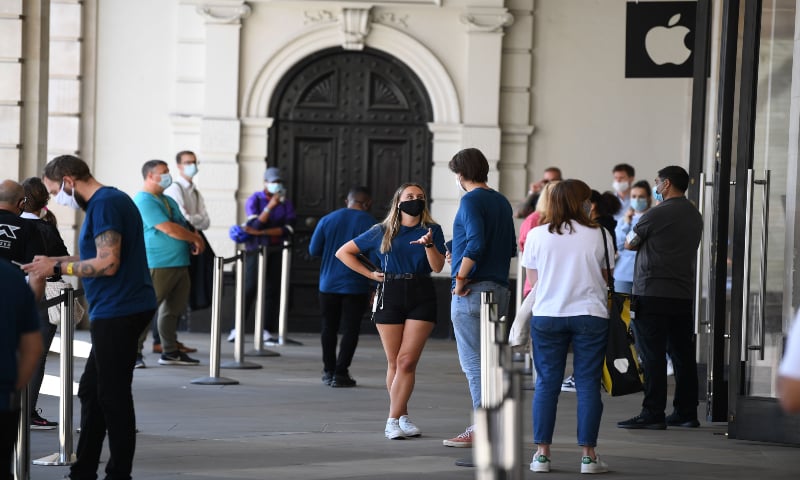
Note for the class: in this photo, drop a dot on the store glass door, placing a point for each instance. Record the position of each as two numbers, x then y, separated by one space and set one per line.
760 315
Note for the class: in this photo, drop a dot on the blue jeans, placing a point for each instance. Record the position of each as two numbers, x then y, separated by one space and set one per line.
465 313
551 338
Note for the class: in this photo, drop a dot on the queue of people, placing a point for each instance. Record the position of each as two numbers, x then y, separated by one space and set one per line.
134 254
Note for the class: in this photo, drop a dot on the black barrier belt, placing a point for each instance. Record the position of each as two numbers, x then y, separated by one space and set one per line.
233 258
59 299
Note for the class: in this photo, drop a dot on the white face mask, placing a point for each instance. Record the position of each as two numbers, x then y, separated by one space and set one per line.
620 187
459 184
190 170
68 200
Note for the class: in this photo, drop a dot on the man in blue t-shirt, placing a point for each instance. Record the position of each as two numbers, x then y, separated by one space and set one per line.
169 239
20 350
343 293
484 240
113 266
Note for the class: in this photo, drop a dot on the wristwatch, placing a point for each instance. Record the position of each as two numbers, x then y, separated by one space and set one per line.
57 269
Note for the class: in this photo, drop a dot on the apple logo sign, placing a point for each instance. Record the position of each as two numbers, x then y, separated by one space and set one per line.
665 44
659 39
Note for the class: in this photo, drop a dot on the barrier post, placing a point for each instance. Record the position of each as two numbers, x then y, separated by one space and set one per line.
258 338
286 263
497 437
213 377
65 455
238 352
22 449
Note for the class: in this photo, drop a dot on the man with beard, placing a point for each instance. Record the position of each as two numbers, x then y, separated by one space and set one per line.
113 266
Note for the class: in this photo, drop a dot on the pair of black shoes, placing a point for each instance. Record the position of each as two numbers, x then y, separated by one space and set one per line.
337 380
649 422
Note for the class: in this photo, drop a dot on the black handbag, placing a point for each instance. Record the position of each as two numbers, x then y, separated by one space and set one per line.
621 372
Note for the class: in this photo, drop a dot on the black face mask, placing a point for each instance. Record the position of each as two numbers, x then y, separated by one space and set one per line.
412 207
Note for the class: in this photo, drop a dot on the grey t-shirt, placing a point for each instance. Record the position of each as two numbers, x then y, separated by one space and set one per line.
665 262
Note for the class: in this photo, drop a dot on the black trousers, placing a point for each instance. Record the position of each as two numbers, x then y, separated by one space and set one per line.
8 437
661 326
106 398
340 312
272 293
48 332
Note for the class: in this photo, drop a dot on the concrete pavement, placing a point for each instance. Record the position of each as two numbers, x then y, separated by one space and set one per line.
281 422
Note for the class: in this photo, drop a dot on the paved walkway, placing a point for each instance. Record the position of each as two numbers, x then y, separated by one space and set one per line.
281 422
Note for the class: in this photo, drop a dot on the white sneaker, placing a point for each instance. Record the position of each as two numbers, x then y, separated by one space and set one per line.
568 385
408 427
393 430
232 335
540 464
593 466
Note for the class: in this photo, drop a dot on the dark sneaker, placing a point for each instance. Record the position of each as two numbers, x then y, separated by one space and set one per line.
40 423
183 348
327 377
177 358
139 362
675 420
343 381
643 422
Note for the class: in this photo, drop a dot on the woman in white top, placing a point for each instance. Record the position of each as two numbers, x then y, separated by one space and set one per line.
565 256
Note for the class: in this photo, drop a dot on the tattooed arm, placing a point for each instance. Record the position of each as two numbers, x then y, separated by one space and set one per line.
108 245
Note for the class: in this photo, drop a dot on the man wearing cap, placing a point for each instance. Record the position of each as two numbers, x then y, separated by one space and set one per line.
270 216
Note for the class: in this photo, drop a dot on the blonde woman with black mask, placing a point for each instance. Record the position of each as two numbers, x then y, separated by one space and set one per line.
410 246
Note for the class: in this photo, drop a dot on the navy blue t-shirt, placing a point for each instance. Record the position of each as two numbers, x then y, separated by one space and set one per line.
403 257
333 231
483 230
19 316
130 290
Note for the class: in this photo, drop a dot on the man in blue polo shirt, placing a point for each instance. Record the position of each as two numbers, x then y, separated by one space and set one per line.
343 293
20 350
168 239
113 266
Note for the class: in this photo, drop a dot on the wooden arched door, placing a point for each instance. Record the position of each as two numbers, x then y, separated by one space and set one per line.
344 118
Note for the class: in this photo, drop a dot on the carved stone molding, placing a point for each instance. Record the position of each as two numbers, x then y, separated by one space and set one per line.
224 14
355 26
487 22
390 18
320 16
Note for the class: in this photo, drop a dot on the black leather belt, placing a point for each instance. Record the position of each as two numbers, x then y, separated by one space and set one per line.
401 276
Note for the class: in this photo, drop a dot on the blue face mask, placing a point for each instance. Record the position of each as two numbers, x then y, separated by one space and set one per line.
274 187
166 180
639 204
657 196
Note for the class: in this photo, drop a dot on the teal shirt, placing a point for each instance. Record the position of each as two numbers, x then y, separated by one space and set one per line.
163 251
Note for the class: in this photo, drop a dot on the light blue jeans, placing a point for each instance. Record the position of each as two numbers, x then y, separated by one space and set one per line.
551 338
465 313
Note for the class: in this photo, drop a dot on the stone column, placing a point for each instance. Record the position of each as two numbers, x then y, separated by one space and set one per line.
35 72
220 127
485 29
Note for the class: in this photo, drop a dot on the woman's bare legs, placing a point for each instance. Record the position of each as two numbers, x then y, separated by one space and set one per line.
403 346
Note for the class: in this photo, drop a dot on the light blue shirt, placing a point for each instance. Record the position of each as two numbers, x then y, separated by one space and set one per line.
163 251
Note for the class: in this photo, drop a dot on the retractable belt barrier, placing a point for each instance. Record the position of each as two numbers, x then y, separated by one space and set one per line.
258 339
286 263
216 311
498 432
65 454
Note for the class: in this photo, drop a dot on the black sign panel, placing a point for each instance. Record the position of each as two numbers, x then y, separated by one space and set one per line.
659 39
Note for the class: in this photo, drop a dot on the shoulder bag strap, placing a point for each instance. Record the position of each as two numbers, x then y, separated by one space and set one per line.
608 264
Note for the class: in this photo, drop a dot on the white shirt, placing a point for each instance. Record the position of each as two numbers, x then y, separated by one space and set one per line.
569 267
190 201
790 365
